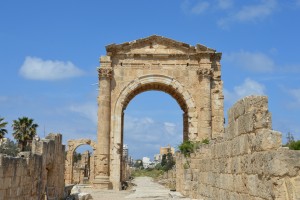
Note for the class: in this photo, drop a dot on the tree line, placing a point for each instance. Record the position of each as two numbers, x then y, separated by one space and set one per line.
24 131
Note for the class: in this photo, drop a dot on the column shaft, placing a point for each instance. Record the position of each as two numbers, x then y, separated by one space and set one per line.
102 157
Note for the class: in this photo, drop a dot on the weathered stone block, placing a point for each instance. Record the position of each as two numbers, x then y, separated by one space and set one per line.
265 140
245 123
262 119
255 103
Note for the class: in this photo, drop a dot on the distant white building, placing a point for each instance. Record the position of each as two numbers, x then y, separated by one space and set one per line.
146 162
157 158
125 152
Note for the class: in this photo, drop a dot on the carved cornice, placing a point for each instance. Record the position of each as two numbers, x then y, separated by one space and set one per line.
216 57
204 72
105 72
116 49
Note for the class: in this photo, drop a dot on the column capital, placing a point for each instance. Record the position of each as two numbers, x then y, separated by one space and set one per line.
204 72
215 57
104 72
105 59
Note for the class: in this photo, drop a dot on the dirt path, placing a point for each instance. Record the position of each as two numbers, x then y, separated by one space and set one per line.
145 189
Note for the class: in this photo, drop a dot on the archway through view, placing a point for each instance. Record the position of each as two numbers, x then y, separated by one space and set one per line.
153 128
80 161
82 164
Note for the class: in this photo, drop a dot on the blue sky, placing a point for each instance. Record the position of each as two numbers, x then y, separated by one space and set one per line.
49 51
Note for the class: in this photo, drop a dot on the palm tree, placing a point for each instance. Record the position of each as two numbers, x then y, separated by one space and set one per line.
3 131
24 131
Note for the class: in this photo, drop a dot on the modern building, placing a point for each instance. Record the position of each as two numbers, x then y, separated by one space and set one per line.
146 162
162 151
125 152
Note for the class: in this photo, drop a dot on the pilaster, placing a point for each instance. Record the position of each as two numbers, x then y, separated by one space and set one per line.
205 121
102 157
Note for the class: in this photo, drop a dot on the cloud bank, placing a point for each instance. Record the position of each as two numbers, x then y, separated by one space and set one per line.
248 87
38 69
251 61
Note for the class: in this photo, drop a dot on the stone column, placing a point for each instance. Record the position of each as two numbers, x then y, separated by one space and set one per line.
205 76
104 119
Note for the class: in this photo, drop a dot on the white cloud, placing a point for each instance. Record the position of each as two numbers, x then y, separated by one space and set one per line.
170 128
199 8
225 4
257 62
38 69
290 68
250 13
295 93
3 98
144 136
249 87
87 110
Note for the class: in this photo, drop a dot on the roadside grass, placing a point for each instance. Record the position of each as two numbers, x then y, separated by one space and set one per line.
154 173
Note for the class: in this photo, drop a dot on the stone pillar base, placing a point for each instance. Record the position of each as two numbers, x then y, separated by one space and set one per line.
102 182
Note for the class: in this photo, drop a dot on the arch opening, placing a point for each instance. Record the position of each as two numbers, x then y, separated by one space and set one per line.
82 156
152 122
80 161
147 83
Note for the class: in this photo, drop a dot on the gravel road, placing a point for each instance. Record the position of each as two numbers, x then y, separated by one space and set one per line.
145 189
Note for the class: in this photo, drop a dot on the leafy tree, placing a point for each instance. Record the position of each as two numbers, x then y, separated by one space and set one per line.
3 131
76 157
291 143
163 160
158 166
138 164
9 148
170 162
24 131
167 161
294 145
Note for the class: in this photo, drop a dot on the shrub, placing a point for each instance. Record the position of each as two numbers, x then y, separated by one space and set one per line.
294 145
188 147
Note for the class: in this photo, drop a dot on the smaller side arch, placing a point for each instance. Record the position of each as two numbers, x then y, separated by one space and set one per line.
72 146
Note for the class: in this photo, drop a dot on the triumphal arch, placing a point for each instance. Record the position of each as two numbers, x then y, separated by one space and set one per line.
190 74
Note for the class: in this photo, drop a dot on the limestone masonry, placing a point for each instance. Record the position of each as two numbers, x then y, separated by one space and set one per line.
36 174
249 162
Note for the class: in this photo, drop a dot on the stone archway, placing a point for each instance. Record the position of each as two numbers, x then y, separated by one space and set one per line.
72 146
145 83
190 74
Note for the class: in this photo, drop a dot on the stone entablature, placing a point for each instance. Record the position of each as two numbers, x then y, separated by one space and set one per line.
190 74
248 163
32 174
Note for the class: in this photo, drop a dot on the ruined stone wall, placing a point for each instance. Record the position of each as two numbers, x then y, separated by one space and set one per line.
28 175
168 179
248 163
